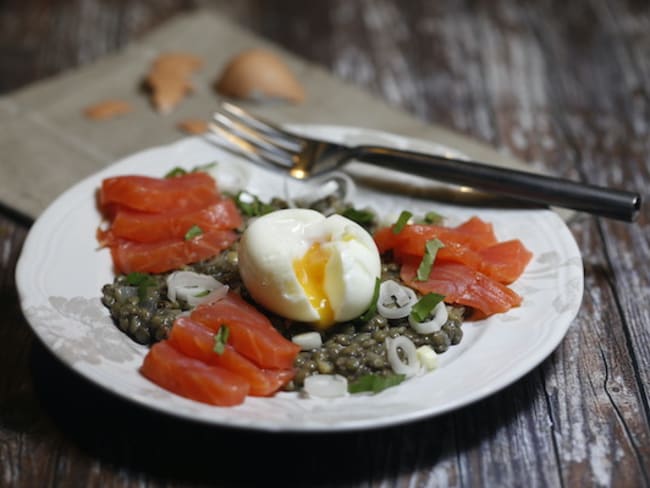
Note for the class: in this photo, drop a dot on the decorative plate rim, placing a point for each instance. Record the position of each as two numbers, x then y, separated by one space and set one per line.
46 310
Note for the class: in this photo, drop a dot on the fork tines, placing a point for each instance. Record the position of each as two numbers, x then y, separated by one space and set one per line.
253 137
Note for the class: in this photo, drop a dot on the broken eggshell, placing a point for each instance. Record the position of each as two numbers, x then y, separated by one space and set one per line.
258 74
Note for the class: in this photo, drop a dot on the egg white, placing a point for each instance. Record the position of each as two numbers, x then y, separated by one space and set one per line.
272 243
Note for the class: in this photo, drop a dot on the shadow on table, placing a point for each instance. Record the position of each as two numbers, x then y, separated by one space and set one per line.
144 443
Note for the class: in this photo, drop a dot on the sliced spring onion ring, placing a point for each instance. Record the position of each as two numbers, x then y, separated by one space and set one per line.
308 340
192 287
439 319
395 301
412 364
326 385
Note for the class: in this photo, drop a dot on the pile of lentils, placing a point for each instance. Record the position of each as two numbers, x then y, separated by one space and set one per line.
140 308
357 349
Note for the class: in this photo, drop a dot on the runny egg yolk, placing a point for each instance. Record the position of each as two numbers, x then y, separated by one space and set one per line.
310 273
309 268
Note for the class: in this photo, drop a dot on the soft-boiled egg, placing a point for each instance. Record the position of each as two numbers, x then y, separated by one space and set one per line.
308 267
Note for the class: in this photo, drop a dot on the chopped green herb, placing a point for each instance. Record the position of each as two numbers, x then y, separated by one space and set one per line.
136 279
401 221
375 383
372 310
193 232
430 251
359 216
423 308
251 205
203 293
142 281
204 167
220 339
433 218
177 171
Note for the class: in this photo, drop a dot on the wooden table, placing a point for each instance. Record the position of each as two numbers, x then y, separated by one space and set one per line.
563 84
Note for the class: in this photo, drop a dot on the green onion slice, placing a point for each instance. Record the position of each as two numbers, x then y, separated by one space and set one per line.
430 250
423 308
220 339
401 221
375 383
193 232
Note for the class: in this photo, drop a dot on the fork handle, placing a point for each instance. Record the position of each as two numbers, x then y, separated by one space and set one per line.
521 185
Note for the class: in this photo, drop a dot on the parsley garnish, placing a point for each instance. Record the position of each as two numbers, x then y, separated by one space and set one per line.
430 251
375 383
433 218
220 339
423 308
177 171
359 216
142 281
370 313
203 167
251 205
193 232
401 221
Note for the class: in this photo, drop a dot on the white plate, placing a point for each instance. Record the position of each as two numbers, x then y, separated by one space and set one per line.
61 272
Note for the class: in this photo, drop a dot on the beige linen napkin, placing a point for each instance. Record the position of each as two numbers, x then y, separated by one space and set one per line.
46 143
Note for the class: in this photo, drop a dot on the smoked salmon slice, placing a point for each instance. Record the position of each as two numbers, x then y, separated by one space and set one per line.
197 341
251 333
148 194
158 257
462 285
191 378
473 243
505 261
152 227
481 231
412 238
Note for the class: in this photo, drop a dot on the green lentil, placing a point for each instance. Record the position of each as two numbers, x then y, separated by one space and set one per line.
351 349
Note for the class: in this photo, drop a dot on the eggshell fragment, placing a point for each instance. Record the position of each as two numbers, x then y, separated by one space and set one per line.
259 74
169 79
107 109
193 126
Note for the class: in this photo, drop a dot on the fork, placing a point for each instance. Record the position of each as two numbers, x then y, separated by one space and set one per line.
304 157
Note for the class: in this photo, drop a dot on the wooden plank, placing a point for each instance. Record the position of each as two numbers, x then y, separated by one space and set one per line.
568 90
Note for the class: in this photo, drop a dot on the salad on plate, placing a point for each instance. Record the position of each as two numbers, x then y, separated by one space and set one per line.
102 319
236 296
